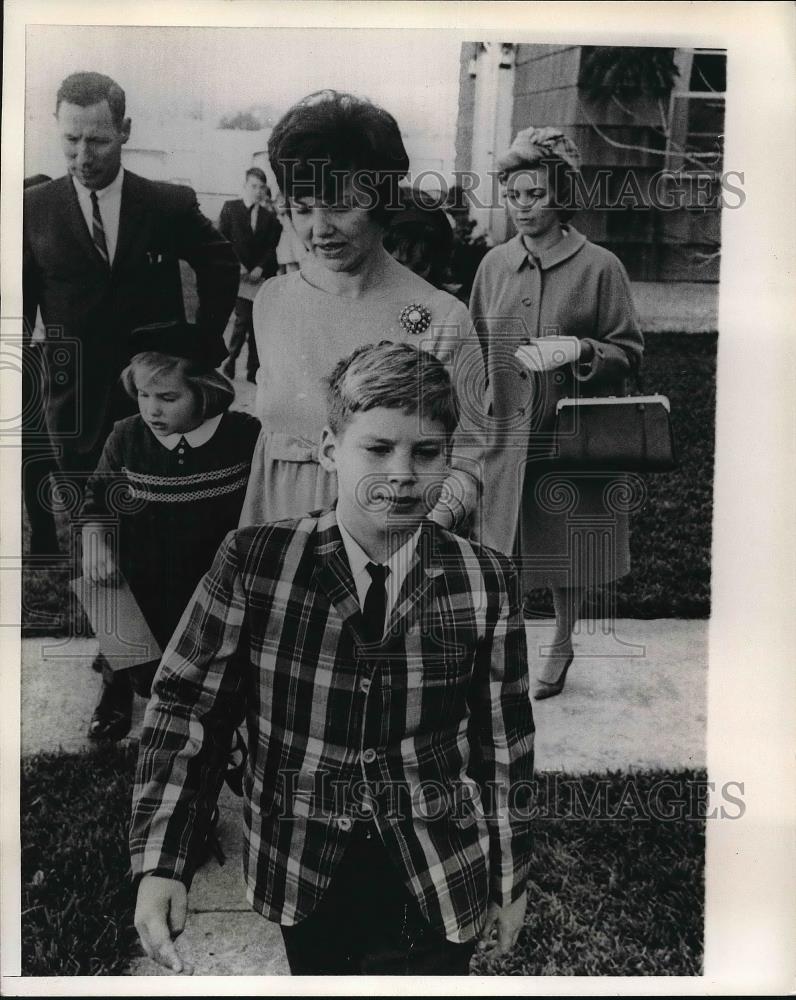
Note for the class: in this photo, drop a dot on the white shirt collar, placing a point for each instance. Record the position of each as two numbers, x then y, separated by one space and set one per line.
115 187
398 563
196 438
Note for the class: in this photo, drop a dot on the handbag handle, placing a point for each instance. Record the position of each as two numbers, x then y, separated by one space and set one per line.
644 444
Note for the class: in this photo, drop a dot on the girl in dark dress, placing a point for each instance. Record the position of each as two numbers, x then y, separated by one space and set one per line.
168 487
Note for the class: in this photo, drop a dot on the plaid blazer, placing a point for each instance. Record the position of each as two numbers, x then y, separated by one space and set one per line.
428 732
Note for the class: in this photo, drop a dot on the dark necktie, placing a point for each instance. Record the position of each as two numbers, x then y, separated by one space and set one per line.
98 230
374 610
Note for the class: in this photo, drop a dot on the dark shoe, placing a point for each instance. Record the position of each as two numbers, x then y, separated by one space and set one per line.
533 607
113 715
549 689
109 724
236 763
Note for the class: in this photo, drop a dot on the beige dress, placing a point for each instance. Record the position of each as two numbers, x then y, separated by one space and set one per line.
301 333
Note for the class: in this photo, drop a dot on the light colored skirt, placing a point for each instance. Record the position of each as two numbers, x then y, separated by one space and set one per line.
286 480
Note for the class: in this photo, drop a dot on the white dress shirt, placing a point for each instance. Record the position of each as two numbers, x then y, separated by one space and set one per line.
109 200
398 564
196 438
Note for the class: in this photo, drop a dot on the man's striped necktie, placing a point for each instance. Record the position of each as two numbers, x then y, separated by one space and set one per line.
98 230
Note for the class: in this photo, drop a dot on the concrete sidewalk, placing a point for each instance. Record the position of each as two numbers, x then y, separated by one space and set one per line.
635 699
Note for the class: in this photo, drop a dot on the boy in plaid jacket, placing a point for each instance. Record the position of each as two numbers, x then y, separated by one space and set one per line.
379 663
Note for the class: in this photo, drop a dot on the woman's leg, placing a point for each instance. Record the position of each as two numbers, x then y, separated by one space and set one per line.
568 604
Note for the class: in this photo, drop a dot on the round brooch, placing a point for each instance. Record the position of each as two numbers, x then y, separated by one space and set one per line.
415 318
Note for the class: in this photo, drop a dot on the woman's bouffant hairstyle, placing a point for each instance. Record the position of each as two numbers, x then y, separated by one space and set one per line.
560 178
213 392
328 136
396 376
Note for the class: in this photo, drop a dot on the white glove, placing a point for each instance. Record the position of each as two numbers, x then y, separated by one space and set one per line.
548 353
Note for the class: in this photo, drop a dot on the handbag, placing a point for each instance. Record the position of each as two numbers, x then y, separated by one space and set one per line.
615 434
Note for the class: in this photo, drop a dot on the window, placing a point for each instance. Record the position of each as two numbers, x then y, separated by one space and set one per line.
696 114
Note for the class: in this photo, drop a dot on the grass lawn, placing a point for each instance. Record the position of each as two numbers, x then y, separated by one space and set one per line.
616 896
670 536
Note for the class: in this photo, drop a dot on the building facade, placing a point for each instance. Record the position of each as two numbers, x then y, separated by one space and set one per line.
650 144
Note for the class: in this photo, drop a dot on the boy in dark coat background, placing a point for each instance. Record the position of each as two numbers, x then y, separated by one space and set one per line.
251 226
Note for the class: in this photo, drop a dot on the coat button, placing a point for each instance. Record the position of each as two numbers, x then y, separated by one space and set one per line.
369 755
364 685
527 301
344 823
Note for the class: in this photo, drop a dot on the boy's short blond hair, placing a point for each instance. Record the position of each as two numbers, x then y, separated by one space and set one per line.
395 376
214 393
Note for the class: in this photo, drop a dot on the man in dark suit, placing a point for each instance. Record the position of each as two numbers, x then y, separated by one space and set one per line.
253 229
101 256
38 462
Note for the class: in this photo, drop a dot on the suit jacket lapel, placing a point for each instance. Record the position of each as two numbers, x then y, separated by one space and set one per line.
333 576
133 217
77 223
333 573
425 576
263 220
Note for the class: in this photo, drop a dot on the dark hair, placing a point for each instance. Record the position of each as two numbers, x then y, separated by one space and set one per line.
421 232
213 392
328 136
396 376
85 89
560 178
259 174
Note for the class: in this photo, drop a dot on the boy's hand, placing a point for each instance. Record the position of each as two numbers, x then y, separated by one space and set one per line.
98 562
503 926
160 918
256 273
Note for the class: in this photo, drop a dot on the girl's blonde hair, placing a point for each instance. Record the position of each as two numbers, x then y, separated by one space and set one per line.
214 393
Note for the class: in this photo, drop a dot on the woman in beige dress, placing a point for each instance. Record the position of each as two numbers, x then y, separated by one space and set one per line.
338 160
